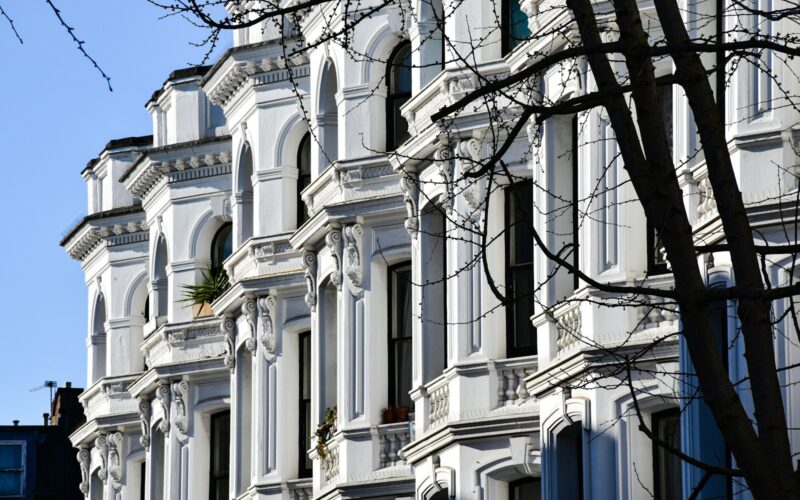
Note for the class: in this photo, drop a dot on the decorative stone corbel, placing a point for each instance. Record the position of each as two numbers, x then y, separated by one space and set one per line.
114 442
352 236
144 419
409 184
469 153
84 461
162 396
268 338
250 315
228 327
101 444
334 242
442 159
180 417
310 274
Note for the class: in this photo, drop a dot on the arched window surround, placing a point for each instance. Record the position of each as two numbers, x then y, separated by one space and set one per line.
398 91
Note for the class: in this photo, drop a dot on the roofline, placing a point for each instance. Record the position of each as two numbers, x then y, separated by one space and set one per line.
178 74
234 50
107 214
171 147
136 141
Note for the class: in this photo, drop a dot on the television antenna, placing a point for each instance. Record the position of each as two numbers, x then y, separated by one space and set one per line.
48 384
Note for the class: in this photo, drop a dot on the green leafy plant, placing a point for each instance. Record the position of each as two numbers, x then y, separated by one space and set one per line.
325 431
215 283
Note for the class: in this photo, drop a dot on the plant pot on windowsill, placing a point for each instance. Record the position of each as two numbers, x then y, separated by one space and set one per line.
213 284
401 414
388 415
202 310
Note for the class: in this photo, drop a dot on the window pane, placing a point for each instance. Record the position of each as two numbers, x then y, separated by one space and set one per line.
667 467
515 25
402 363
401 71
525 489
524 332
10 483
521 200
10 456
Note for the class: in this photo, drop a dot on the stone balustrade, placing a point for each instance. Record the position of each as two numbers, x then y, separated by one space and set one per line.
439 401
511 374
392 438
568 326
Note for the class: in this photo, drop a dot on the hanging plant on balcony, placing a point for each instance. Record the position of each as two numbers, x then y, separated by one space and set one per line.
325 431
214 283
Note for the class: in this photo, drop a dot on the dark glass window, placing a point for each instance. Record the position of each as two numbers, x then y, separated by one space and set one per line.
521 334
667 466
11 469
142 479
222 245
656 260
514 25
303 176
304 436
220 456
529 488
441 495
569 462
400 335
398 83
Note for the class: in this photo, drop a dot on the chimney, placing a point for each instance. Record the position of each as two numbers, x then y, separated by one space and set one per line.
46 417
69 385
16 423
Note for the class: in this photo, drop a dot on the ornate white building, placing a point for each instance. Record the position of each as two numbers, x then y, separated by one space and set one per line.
354 282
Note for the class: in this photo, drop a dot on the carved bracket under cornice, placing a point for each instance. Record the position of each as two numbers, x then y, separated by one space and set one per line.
180 416
310 275
101 445
352 236
250 314
144 419
162 397
333 240
115 441
268 337
228 327
84 461
409 184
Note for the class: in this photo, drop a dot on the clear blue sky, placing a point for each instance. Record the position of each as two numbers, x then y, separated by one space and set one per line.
56 114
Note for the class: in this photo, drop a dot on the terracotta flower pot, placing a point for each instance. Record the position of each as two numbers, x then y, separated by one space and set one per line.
401 414
202 310
388 415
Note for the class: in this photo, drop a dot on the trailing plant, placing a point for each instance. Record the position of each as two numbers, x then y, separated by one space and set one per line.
215 282
325 431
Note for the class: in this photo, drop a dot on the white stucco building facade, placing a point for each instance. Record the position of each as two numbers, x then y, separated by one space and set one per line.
354 282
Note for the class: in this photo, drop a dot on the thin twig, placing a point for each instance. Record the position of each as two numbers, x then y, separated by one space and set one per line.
80 43
11 22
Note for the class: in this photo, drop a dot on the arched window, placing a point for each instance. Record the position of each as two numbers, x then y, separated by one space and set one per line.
398 84
303 176
222 246
328 119
244 195
98 343
160 282
514 25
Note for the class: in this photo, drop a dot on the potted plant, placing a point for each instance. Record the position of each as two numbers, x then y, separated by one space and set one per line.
401 414
388 415
325 431
214 283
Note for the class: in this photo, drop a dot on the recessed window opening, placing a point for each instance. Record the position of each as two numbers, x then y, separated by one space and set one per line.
400 326
514 25
222 245
521 334
304 400
219 464
303 177
398 83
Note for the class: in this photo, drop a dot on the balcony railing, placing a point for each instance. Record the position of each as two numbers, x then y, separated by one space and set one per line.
392 438
568 326
511 375
330 463
439 401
